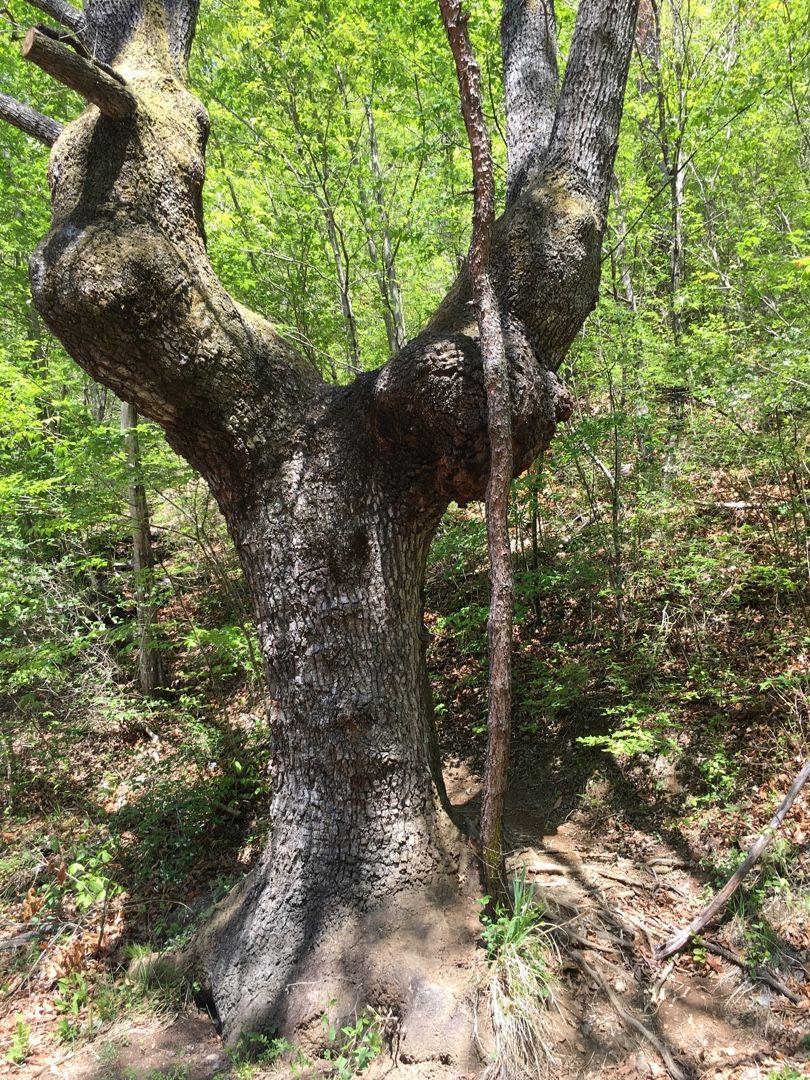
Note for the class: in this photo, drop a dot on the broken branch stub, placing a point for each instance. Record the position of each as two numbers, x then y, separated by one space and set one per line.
107 93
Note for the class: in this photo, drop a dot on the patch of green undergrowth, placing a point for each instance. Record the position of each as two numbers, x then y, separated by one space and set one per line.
19 1047
353 1047
520 955
256 1051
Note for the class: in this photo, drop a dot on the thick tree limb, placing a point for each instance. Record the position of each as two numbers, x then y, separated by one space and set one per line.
30 121
586 129
496 377
531 87
108 94
679 940
112 23
63 13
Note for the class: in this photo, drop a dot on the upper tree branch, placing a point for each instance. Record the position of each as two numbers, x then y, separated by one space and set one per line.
586 129
29 120
123 277
63 13
104 91
531 86
112 24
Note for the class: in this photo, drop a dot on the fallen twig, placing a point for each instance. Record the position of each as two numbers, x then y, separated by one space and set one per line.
682 938
760 973
657 992
673 1068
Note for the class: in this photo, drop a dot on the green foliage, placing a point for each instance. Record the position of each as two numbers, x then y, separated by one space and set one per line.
19 1048
255 1050
354 1046
639 731
521 984
513 927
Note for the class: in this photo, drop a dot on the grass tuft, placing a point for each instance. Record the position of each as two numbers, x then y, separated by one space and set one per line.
521 987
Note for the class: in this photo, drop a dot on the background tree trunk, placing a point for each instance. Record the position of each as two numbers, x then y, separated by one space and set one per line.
150 665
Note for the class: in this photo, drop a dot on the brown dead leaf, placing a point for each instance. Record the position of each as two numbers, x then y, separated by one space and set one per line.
31 905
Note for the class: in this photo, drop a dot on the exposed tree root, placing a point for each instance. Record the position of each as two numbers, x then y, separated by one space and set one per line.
672 1067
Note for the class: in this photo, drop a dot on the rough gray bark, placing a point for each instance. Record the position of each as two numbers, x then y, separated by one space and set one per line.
150 667
586 127
331 494
531 87
33 123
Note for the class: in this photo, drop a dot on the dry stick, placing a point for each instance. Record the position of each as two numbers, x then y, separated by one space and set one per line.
104 91
30 121
759 973
674 1070
499 424
682 938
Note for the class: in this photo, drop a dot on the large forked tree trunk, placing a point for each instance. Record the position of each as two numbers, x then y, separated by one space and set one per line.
332 494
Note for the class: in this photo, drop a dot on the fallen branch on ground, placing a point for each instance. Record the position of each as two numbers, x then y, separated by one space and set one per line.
760 973
682 938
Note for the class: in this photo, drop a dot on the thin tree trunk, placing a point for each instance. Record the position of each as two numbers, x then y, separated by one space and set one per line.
150 666
499 628
393 293
618 253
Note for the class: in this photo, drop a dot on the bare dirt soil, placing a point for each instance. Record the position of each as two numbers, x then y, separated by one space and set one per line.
612 891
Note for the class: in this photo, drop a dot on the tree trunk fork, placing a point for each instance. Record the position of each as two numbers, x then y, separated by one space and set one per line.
332 494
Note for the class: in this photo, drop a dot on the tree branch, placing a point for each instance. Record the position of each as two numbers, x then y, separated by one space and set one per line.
677 941
62 12
531 87
586 129
30 121
104 91
123 277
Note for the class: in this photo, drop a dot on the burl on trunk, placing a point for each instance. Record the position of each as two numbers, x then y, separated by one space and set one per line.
331 493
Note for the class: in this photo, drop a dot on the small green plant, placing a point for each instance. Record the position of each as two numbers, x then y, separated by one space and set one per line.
521 985
84 880
357 1044
699 953
254 1050
639 731
20 1046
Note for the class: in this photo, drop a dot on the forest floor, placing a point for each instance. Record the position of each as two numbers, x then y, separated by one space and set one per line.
614 880
125 824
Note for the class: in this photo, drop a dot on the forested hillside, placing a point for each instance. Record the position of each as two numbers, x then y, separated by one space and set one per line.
661 546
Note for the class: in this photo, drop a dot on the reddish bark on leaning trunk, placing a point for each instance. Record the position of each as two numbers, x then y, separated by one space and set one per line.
499 430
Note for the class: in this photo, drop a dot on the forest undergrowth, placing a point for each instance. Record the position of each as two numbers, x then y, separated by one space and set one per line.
670 723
